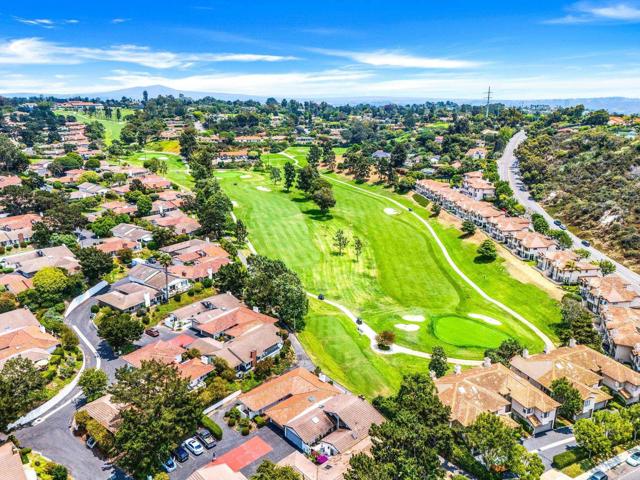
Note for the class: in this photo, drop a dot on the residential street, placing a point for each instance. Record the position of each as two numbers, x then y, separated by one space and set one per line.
509 172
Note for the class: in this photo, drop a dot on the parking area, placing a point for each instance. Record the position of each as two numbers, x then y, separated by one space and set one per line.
550 444
245 453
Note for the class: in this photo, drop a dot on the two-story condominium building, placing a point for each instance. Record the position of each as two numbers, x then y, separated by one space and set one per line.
529 245
620 330
242 353
565 266
215 305
155 278
503 228
170 353
586 369
612 290
334 426
30 262
477 187
496 389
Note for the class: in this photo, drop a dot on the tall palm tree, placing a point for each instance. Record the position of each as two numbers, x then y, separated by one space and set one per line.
165 260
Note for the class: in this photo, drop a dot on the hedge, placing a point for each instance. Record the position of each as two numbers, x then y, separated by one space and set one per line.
569 457
212 426
461 457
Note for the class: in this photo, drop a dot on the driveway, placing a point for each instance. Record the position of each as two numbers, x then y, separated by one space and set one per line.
509 172
550 444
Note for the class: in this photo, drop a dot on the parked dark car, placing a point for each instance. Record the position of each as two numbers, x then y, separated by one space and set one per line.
321 297
359 321
152 332
557 223
181 454
206 438
562 227
598 475
586 243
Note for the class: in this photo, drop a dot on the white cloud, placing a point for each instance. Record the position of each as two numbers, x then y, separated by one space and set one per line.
589 13
26 51
40 22
120 20
387 58
45 22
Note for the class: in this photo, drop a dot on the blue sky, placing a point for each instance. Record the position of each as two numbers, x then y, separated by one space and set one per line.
325 49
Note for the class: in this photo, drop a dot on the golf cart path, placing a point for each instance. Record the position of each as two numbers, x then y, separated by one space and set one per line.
547 341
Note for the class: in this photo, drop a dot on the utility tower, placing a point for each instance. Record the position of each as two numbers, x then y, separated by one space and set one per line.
486 114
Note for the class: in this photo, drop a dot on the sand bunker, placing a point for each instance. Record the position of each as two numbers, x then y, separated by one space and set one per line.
406 328
484 318
263 189
413 318
245 176
391 211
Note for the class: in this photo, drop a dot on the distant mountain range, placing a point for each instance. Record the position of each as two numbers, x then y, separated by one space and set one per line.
623 105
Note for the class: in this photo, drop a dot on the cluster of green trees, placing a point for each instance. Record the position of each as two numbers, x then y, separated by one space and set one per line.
341 242
417 434
577 323
268 285
213 208
309 181
159 408
607 429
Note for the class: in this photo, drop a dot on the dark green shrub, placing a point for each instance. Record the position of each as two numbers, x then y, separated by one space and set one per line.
260 421
95 308
212 426
245 431
569 457
231 422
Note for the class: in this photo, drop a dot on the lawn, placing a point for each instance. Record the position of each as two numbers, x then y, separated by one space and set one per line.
171 146
176 169
332 341
400 273
112 126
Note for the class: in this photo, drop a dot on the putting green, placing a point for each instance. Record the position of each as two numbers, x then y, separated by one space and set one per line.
463 332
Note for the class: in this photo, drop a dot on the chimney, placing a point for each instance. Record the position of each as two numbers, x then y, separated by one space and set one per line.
210 273
206 239
256 309
432 374
21 237
525 353
254 358
457 369
147 299
486 363
572 343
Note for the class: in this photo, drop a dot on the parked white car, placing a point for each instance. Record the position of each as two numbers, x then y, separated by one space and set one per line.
194 446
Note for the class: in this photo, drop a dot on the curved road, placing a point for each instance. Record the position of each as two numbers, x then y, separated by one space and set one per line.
508 171
51 434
